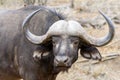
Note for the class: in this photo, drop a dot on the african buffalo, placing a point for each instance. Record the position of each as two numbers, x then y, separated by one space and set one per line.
36 43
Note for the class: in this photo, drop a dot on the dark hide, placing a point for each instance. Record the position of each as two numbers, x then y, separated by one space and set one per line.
16 52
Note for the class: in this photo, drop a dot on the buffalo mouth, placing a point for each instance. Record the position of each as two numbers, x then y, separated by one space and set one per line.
61 68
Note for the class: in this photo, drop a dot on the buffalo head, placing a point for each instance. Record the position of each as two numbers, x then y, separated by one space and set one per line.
66 38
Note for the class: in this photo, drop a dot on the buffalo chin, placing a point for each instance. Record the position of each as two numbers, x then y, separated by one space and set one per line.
58 69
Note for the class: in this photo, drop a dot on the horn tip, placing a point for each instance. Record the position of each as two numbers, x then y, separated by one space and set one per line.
101 12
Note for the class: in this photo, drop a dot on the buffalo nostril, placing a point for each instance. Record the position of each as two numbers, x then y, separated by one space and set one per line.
61 59
65 60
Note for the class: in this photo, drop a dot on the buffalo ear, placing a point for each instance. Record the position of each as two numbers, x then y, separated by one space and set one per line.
42 52
90 52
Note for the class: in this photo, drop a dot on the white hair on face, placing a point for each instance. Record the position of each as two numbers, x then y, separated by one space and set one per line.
57 45
63 47
71 45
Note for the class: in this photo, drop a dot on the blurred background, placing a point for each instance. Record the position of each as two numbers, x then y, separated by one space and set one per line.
86 13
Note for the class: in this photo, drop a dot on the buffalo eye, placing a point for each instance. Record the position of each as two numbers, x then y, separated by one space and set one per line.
76 42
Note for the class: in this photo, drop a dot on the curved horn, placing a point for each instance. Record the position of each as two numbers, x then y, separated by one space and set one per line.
53 30
30 36
104 40
57 29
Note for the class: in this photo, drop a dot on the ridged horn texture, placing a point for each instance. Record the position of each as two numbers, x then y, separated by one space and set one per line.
30 36
70 28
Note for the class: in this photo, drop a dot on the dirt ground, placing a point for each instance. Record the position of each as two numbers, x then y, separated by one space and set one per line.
109 67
